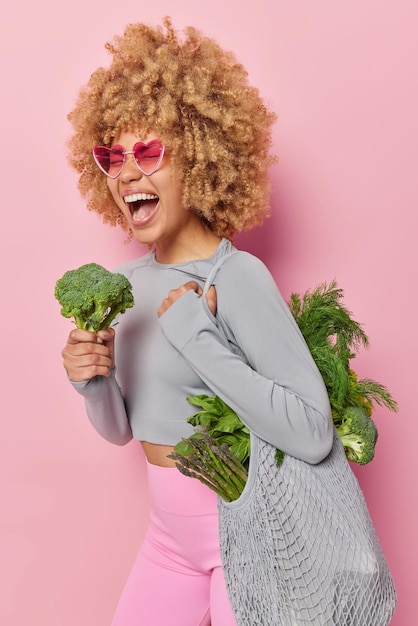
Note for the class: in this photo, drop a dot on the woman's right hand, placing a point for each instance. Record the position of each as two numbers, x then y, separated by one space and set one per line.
87 354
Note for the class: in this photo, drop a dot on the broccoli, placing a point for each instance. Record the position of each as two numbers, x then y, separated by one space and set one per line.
358 435
93 296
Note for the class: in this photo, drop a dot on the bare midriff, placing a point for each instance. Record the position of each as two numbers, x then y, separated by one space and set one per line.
157 454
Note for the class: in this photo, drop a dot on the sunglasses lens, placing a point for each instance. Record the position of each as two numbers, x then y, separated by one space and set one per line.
148 156
109 160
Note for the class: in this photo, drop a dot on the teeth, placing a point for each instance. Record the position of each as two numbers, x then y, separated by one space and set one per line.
135 197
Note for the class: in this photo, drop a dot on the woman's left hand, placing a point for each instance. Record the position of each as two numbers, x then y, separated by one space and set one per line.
175 294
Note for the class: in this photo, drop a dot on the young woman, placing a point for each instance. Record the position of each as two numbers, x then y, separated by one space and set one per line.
172 144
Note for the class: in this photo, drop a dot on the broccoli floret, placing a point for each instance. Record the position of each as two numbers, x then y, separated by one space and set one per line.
93 296
358 435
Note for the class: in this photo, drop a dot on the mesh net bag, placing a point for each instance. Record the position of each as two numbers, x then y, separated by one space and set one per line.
299 546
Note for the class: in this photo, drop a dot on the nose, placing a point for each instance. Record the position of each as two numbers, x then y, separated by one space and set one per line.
130 171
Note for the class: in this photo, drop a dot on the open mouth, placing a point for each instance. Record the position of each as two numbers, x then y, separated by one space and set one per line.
141 205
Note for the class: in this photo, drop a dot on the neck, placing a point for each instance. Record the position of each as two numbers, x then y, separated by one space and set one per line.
200 244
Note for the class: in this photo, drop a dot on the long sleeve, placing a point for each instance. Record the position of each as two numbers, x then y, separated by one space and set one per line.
105 408
274 384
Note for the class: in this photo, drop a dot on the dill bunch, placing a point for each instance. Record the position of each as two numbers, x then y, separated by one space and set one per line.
334 338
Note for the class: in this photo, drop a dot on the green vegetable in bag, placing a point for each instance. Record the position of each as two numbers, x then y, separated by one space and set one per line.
333 338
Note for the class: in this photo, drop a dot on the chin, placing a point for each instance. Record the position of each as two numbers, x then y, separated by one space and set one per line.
142 238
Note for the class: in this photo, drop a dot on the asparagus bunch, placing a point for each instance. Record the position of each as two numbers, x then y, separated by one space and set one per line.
214 465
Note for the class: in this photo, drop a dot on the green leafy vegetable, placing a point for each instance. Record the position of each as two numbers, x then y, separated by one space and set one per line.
222 424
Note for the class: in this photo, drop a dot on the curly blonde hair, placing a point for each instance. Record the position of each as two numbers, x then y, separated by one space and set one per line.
196 96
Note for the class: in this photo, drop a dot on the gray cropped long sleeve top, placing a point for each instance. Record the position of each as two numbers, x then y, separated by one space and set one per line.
269 378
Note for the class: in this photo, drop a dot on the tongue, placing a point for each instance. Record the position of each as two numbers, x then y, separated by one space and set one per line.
143 209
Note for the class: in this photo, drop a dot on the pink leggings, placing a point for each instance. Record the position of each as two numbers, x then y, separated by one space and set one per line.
177 578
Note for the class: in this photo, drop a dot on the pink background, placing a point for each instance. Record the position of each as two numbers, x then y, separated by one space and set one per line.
342 77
